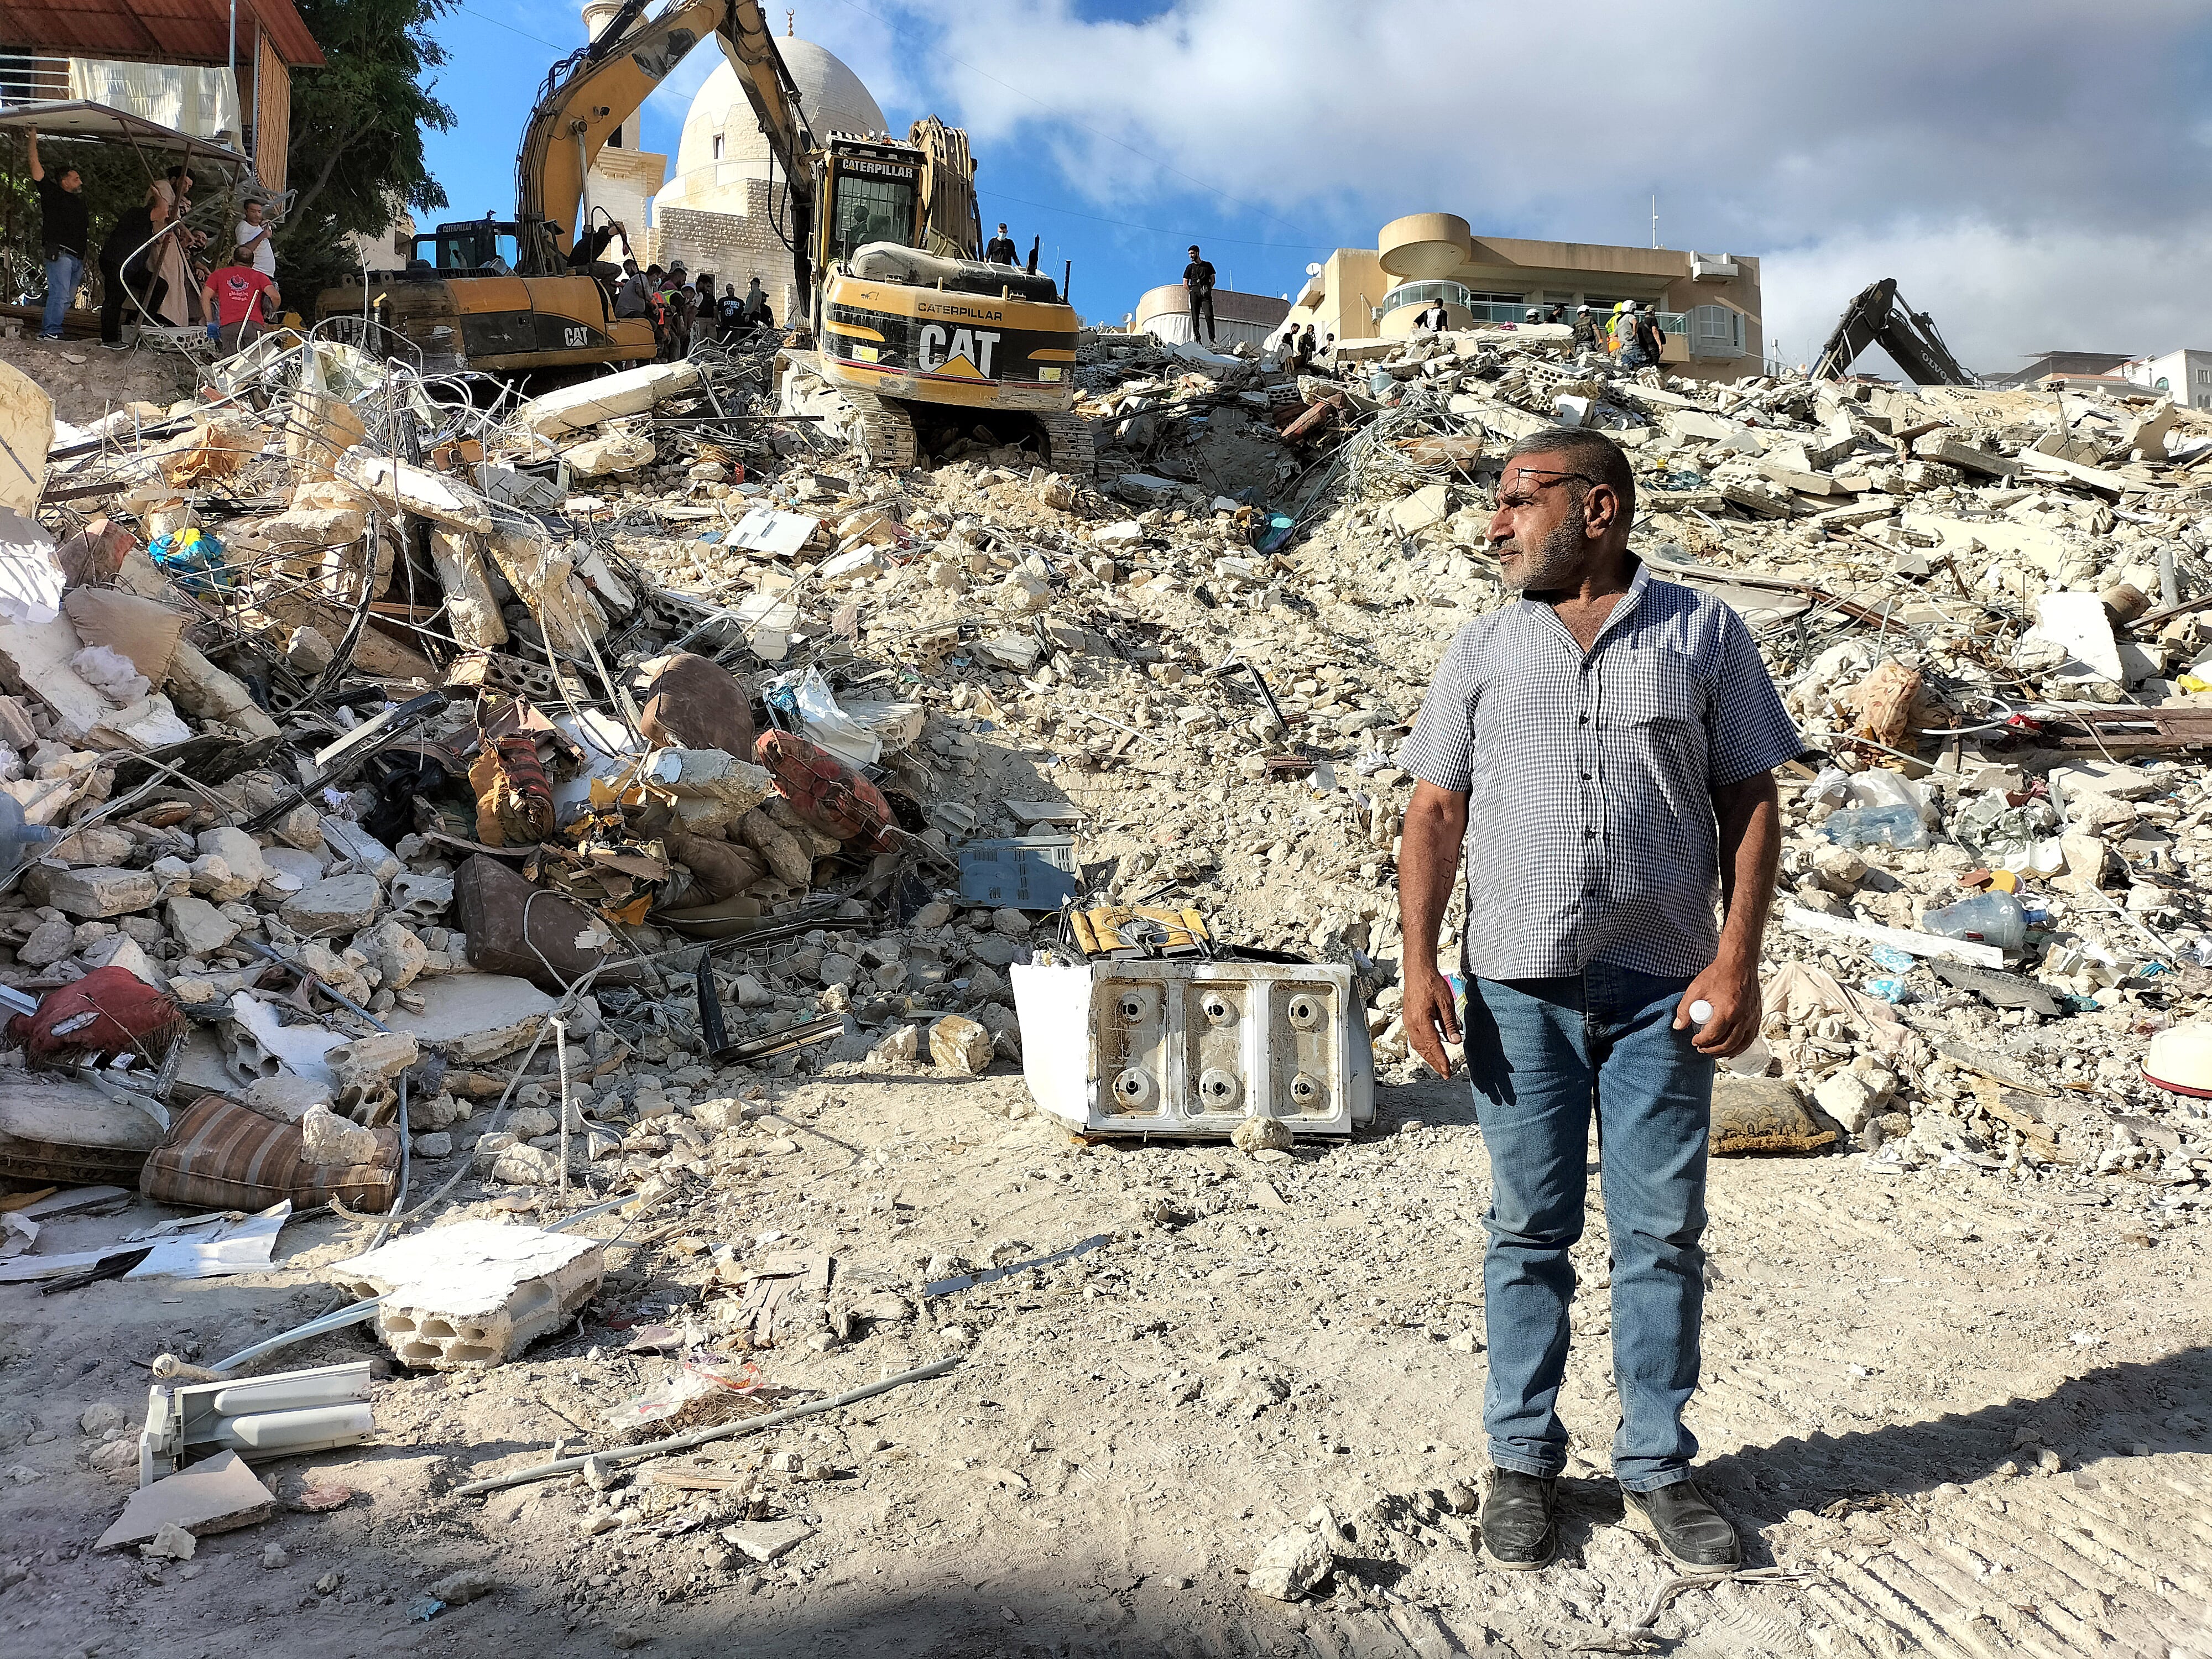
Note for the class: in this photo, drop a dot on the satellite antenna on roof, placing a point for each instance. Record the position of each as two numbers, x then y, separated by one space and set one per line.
1313 271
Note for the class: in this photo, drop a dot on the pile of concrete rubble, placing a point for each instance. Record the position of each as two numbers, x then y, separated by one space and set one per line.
500 798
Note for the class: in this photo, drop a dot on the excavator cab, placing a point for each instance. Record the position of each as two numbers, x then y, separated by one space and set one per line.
875 196
473 247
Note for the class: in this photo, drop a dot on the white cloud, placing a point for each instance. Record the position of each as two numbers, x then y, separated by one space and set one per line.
2029 174
1997 295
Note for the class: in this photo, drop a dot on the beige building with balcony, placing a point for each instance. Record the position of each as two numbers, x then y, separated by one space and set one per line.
1708 303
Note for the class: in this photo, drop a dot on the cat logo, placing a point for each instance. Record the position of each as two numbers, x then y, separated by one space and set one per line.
966 355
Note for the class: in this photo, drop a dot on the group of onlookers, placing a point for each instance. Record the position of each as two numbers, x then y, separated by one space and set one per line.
1630 333
684 311
1300 349
152 262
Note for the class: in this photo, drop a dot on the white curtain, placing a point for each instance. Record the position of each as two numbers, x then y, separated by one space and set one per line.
199 102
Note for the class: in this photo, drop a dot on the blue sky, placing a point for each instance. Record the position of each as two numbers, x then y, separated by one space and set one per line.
2031 182
501 50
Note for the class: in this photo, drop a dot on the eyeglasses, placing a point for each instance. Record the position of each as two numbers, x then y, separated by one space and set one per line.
1514 503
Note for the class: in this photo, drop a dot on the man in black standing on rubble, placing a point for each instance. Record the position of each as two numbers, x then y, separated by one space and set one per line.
1198 285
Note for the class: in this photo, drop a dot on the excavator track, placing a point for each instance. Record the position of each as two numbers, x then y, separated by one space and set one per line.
883 431
1074 450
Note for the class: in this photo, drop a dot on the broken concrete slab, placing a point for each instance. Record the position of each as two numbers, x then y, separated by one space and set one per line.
474 1017
92 894
632 391
766 1540
473 1294
35 661
1960 537
219 1495
2103 481
199 927
1951 451
336 904
1426 506
397 486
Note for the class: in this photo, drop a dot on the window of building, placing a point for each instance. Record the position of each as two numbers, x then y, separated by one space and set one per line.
1716 332
2204 377
718 146
2162 385
1421 294
1475 297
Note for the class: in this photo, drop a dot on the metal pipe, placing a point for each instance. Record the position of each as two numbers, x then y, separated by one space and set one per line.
561 1053
623 1455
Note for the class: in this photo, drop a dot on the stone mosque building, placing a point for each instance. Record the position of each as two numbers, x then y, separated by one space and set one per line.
723 210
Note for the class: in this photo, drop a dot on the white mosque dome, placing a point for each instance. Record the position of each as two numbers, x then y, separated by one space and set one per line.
831 96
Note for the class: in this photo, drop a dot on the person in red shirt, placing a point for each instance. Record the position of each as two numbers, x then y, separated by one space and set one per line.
234 295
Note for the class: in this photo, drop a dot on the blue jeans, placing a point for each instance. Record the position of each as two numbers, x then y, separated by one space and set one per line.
1543 1055
63 272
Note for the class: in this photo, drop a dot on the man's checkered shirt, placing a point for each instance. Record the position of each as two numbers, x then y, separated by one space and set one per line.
1591 832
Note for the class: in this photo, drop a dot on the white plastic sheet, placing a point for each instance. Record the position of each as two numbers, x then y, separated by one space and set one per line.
30 576
220 1244
826 723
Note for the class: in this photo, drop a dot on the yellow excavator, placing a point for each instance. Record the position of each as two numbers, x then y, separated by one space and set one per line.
909 320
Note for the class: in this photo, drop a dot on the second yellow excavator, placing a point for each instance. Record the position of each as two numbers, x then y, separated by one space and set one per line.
908 319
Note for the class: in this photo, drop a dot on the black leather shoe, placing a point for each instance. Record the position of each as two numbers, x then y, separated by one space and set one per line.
1696 1536
1518 1531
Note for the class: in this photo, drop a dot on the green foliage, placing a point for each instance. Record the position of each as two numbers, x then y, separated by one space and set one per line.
355 157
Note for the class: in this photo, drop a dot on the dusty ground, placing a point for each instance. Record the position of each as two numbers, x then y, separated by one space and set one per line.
87 381
1974 1411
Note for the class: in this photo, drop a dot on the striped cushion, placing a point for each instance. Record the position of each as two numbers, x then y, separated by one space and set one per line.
224 1156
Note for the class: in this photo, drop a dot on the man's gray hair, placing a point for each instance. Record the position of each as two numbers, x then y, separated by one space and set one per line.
1586 451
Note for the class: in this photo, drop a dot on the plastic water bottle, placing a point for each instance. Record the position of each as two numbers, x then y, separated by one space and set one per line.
1989 918
1876 826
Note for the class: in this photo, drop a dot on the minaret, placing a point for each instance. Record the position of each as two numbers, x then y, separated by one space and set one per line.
598 14
624 179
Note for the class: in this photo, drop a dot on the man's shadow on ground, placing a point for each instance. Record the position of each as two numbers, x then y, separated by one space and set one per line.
2090 1421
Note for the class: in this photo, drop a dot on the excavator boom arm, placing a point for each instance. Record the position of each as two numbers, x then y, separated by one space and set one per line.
1877 317
594 91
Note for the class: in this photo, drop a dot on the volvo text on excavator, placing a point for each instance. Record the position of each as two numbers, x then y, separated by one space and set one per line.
908 319
1878 317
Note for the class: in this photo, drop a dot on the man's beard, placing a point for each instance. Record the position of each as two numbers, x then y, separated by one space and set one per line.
1554 563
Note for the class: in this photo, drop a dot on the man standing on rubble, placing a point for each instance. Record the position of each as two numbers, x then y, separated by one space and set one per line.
255 237
759 315
1433 319
1198 289
1602 748
65 232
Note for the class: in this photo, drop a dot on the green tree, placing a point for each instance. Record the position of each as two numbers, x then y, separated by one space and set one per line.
355 155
